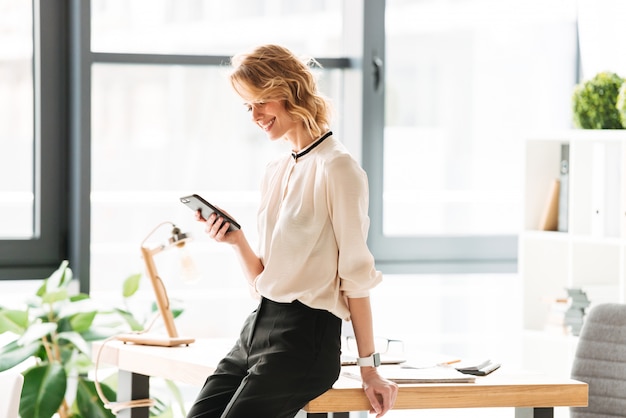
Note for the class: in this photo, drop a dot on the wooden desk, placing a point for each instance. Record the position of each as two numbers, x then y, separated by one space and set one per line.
531 394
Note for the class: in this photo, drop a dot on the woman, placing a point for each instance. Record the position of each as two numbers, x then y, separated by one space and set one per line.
313 268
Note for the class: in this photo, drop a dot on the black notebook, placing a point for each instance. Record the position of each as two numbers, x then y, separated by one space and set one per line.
477 369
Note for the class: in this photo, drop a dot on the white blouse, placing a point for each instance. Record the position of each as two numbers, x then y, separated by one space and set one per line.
313 226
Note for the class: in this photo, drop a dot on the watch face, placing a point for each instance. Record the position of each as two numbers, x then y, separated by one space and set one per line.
376 358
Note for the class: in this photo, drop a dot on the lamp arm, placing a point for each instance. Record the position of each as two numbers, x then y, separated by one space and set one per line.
160 293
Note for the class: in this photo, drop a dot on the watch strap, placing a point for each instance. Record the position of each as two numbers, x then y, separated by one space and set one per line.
371 361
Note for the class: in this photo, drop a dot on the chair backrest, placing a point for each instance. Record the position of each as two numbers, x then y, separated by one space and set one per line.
600 361
10 390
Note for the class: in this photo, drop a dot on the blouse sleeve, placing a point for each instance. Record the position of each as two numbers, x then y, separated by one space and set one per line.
348 199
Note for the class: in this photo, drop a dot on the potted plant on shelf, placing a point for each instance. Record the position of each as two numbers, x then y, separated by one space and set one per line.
53 339
595 102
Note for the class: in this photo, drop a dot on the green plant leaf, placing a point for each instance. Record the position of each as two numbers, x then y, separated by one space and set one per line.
13 353
96 334
42 289
55 296
79 297
82 321
75 339
88 401
177 312
66 274
175 307
78 305
63 324
112 380
177 395
130 320
131 285
81 363
59 278
36 332
163 412
13 321
67 353
43 391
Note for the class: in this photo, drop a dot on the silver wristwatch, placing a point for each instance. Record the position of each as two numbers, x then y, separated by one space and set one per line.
372 360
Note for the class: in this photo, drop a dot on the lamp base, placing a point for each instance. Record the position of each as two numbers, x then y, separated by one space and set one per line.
154 339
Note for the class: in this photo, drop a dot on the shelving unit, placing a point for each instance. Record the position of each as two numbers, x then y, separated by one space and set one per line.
592 253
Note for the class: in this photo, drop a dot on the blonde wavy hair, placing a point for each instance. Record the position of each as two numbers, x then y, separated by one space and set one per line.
272 72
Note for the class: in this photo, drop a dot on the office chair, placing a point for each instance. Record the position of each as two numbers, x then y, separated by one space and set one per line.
10 390
600 361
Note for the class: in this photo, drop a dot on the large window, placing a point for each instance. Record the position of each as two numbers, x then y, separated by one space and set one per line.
32 138
465 82
112 110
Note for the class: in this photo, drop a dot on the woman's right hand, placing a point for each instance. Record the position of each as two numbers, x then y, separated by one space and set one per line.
217 228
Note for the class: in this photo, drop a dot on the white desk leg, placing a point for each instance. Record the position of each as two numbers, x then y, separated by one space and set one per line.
133 386
534 412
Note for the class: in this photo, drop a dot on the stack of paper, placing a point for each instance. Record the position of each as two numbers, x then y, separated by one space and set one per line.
399 374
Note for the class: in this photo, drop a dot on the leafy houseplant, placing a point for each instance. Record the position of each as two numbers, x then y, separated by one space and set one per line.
54 333
594 102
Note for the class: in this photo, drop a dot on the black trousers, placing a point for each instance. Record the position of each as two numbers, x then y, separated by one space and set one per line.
287 354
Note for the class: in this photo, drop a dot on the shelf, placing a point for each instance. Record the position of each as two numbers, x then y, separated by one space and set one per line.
591 253
596 183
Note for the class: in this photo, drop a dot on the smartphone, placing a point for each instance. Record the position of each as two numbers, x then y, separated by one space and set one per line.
196 203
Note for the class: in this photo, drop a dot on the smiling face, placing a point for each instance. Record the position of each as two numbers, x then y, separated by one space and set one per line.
272 117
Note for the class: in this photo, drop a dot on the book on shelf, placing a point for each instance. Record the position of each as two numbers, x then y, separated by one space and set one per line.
403 374
550 217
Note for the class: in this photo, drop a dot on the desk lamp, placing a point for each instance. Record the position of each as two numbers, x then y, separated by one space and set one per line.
177 239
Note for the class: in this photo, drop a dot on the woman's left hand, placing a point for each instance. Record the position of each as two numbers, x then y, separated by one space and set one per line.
381 392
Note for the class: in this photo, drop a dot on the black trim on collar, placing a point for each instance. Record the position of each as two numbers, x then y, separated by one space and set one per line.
297 155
